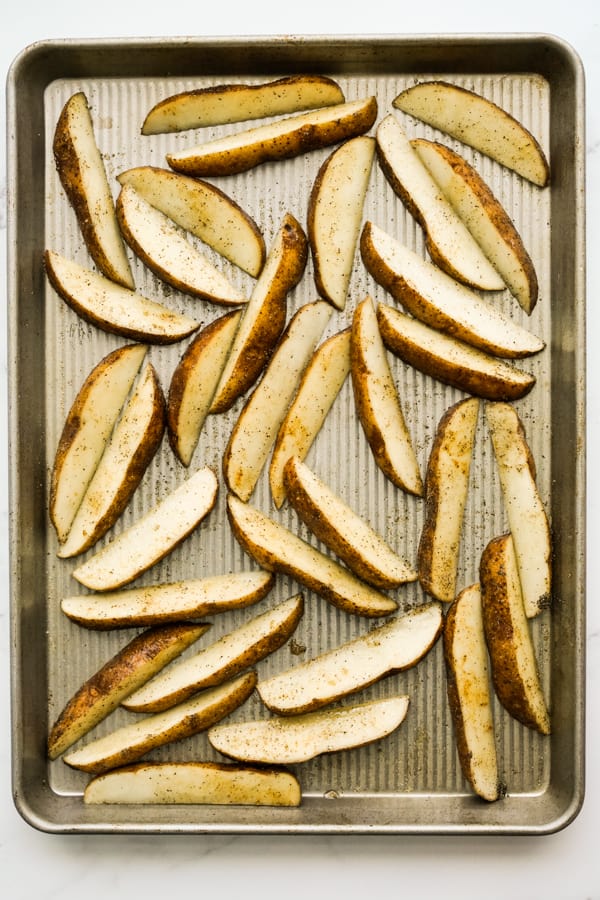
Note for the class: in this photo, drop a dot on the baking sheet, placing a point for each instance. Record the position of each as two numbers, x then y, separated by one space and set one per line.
410 782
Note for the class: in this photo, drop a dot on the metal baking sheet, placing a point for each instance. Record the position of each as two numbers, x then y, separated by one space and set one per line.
411 782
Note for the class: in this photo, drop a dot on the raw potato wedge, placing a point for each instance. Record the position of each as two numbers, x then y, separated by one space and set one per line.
354 665
205 211
151 537
175 602
165 248
235 651
283 139
195 782
449 242
86 431
435 298
264 316
339 527
449 360
479 123
378 404
194 382
113 308
446 487
141 658
256 427
223 104
485 217
513 662
295 739
81 170
468 684
277 549
130 742
335 212
527 517
128 453
321 382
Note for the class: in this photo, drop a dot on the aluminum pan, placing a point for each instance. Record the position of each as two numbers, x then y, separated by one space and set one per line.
412 784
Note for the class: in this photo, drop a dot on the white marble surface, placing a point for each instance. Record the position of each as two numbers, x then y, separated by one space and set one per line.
557 867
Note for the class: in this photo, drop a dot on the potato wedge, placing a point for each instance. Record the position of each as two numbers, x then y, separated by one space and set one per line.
113 308
435 298
295 739
320 384
194 382
277 549
354 665
165 248
335 211
83 176
235 651
478 122
134 664
264 316
282 139
527 518
449 242
223 104
205 211
467 669
151 537
195 782
175 602
87 428
446 486
130 742
449 360
378 404
485 217
513 662
128 453
338 526
256 427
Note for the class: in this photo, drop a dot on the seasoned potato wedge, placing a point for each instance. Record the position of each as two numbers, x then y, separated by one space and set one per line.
295 739
87 428
446 486
435 298
282 139
141 658
320 384
239 649
264 316
449 360
195 782
205 211
83 176
478 122
514 665
175 602
223 104
113 308
527 518
256 427
468 681
128 453
151 537
339 527
335 212
277 549
449 242
130 742
378 404
354 665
